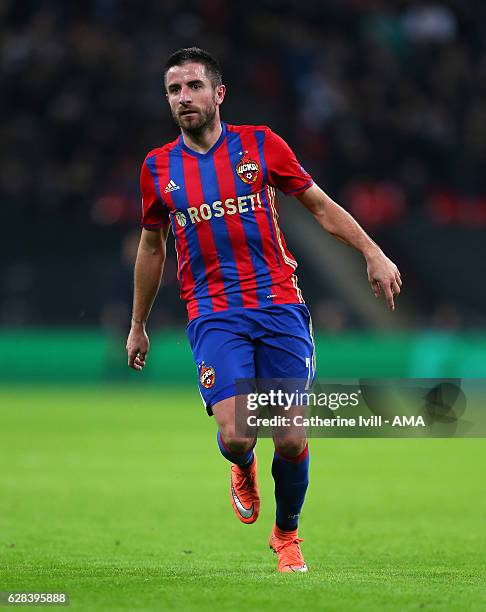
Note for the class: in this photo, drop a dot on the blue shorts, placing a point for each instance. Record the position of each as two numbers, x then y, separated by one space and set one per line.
273 342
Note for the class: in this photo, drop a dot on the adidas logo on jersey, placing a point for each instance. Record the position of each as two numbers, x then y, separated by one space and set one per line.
171 186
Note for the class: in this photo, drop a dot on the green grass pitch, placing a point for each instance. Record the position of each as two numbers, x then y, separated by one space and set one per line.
119 497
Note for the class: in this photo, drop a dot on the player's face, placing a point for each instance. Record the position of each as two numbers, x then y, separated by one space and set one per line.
193 101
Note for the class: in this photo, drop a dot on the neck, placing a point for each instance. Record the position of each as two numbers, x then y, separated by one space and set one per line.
202 141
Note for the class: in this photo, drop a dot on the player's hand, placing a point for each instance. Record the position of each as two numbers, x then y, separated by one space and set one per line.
137 347
383 275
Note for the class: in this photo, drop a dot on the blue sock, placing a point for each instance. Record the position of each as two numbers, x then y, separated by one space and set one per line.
241 459
291 476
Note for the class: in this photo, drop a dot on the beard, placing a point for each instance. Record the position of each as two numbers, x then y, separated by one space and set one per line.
196 125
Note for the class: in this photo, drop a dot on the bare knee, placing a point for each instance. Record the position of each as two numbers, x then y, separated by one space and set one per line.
290 446
225 415
235 443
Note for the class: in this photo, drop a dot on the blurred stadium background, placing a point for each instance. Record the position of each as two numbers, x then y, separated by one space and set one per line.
385 104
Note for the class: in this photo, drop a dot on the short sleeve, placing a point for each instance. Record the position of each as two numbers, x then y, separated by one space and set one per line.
284 170
154 212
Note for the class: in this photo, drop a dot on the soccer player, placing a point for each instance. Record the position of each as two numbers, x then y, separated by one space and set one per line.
215 186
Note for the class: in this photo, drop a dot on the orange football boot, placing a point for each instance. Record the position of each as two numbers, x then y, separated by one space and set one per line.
286 545
244 495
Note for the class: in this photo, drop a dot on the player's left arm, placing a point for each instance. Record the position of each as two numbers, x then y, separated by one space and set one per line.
383 274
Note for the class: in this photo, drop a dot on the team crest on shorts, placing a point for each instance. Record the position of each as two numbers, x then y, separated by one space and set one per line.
207 376
247 169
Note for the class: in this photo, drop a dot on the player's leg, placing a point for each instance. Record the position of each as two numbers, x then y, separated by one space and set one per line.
286 351
290 471
244 494
234 447
224 353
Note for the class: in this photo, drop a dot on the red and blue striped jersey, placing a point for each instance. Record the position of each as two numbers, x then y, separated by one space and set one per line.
222 209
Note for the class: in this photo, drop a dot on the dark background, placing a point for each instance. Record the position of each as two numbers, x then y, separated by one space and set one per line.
384 103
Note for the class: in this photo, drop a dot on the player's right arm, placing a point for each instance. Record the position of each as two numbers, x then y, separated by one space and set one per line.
149 266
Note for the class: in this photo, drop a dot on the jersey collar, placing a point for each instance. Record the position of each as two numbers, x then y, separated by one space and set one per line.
211 150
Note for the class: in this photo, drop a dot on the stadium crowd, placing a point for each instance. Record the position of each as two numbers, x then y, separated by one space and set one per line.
387 105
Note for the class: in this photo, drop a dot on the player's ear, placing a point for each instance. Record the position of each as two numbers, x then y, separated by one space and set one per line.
166 93
219 93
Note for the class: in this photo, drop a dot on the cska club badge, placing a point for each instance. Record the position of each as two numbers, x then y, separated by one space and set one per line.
247 170
207 376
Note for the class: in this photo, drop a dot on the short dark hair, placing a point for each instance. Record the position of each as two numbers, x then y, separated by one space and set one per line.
195 54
